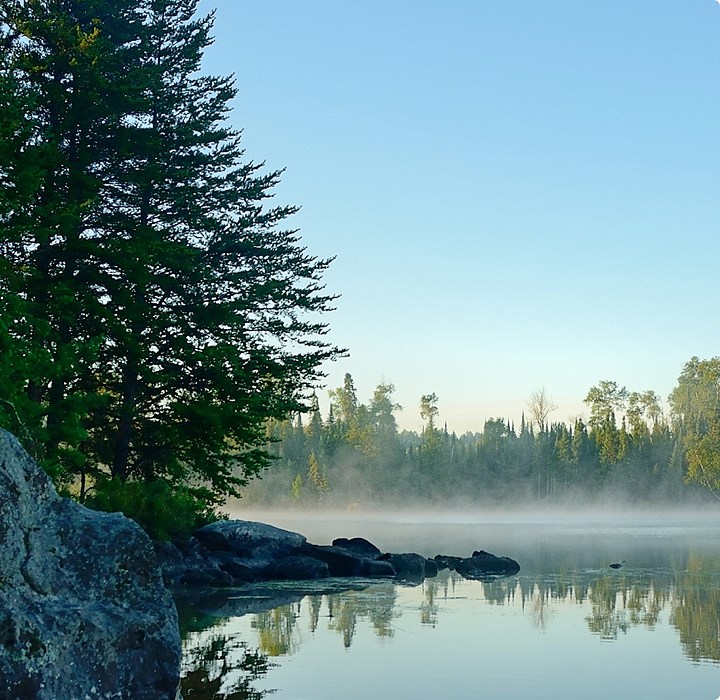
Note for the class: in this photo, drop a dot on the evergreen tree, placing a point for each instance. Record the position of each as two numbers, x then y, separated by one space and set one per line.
344 400
167 308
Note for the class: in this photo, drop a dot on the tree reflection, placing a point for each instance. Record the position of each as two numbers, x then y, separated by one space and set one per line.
277 630
500 590
429 607
376 605
540 607
696 610
279 634
223 668
607 619
220 667
617 603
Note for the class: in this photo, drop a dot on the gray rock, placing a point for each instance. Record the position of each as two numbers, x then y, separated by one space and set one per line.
83 609
373 568
237 568
238 552
445 561
340 562
408 566
296 568
258 543
358 545
483 565
431 568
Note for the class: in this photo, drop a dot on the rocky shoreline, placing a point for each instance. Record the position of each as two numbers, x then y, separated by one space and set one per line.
84 610
238 552
88 602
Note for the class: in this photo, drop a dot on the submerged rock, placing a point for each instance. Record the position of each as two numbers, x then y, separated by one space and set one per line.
83 609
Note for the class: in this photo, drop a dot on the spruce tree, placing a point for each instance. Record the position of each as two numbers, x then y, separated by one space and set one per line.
170 311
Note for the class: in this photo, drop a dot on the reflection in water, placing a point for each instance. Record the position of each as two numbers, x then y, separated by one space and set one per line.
218 667
279 635
540 607
610 613
676 595
696 610
618 602
276 630
429 607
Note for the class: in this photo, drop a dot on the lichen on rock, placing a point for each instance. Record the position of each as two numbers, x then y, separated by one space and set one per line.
84 612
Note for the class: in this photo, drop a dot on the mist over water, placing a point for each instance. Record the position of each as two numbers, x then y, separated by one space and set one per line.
568 625
510 532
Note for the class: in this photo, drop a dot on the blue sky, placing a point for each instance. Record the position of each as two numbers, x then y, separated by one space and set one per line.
519 195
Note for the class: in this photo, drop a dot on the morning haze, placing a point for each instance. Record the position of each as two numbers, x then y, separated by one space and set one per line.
630 451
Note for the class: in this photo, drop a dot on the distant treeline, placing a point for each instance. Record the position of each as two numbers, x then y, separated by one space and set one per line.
628 449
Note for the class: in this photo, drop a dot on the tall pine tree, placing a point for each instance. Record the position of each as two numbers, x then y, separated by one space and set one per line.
168 310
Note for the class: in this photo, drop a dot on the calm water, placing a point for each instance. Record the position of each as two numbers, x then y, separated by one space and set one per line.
567 626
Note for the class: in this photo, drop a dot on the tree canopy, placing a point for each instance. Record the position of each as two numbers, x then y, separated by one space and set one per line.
154 308
629 452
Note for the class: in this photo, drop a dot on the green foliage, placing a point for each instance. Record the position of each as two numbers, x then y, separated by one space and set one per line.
557 464
695 404
296 488
695 401
162 509
605 400
316 476
154 313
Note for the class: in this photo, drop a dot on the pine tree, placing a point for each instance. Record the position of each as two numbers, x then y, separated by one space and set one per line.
167 305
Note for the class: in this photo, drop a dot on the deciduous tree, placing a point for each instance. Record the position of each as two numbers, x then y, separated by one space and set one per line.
695 404
541 406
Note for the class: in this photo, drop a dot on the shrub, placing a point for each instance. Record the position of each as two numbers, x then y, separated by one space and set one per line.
162 510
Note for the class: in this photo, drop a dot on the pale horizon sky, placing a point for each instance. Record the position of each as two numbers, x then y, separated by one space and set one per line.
519 195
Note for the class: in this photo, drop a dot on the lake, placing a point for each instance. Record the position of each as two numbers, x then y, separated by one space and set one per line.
567 626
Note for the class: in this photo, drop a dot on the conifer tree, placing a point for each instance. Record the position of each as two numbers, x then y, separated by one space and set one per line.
168 310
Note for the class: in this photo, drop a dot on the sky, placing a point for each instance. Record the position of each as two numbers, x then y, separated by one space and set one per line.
518 195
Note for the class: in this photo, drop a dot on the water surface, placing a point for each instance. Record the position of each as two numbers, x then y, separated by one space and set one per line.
567 626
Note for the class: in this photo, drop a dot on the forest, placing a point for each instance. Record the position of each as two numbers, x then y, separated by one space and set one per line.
162 327
628 451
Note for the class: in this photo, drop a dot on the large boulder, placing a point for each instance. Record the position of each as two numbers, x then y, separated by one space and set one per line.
408 565
483 565
359 546
258 543
83 609
232 553
343 562
296 568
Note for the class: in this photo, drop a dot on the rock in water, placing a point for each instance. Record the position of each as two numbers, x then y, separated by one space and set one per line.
482 565
83 610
